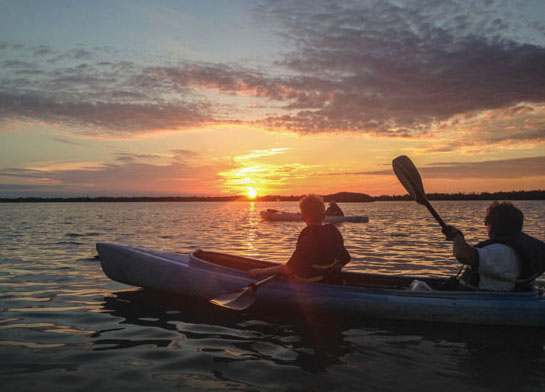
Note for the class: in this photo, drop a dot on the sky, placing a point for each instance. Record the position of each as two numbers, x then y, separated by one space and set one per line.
229 97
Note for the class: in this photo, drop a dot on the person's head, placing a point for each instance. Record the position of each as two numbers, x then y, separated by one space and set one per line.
503 219
312 209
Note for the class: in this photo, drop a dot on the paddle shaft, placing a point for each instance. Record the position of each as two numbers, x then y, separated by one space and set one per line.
257 285
434 213
241 299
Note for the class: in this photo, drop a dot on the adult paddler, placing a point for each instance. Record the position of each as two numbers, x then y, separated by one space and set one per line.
509 260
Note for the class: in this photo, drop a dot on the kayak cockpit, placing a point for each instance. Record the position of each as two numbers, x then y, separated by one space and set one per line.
347 278
231 261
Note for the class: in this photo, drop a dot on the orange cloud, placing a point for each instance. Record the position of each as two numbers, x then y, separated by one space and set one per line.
264 178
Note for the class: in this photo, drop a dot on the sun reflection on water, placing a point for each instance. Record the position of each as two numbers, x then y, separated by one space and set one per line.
252 226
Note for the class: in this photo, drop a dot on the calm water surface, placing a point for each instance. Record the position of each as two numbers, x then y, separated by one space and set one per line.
65 326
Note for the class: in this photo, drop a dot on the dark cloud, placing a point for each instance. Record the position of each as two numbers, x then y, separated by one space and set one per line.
42 50
24 190
536 135
181 154
127 157
65 141
95 97
507 168
397 68
96 118
22 173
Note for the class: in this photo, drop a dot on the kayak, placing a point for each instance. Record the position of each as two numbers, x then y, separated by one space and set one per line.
207 275
273 215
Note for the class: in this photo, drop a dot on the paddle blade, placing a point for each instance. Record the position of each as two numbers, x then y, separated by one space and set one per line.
238 300
408 175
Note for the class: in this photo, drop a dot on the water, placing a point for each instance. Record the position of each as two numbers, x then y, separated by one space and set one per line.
65 326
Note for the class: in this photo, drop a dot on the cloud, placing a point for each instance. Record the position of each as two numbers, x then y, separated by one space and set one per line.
398 68
186 155
520 127
22 173
81 91
385 68
264 178
256 154
64 141
127 157
496 169
99 118
125 177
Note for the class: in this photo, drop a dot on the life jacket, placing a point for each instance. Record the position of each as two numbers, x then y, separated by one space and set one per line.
531 252
325 248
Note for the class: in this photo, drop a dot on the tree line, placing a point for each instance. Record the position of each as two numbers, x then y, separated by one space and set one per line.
341 197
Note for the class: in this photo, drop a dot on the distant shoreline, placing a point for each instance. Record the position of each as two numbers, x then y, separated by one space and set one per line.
341 197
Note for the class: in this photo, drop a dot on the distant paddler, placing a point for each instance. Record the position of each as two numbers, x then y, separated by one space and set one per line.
334 210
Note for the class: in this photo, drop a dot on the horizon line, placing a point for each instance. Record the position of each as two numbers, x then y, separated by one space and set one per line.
349 195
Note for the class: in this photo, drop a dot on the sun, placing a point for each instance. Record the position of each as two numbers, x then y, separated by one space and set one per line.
252 193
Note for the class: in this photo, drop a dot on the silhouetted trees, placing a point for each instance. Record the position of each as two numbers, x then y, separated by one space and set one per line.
340 197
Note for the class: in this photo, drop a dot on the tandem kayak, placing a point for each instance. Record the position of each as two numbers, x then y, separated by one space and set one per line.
273 215
207 275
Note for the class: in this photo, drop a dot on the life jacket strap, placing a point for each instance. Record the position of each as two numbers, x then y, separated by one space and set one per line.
469 278
468 285
311 279
325 266
321 267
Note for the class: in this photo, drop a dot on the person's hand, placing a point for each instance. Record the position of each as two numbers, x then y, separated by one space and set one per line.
451 232
254 273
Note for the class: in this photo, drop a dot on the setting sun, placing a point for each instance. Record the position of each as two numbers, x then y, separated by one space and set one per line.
252 194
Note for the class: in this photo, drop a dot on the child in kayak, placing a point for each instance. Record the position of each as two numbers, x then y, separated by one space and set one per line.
319 253
509 260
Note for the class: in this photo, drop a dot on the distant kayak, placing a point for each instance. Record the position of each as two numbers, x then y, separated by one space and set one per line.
206 275
274 215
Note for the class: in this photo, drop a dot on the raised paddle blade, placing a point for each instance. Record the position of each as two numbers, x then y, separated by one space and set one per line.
238 300
408 175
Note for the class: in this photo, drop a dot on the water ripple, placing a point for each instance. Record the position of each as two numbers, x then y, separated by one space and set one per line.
69 327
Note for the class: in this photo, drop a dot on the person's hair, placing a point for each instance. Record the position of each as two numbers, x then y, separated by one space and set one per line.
504 219
313 206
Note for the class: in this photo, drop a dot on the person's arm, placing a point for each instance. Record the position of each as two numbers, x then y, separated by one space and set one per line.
276 270
464 253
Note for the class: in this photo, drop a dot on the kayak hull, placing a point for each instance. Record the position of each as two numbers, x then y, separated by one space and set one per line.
207 275
276 216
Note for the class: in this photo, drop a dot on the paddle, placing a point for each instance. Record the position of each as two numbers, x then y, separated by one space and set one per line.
241 299
408 175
